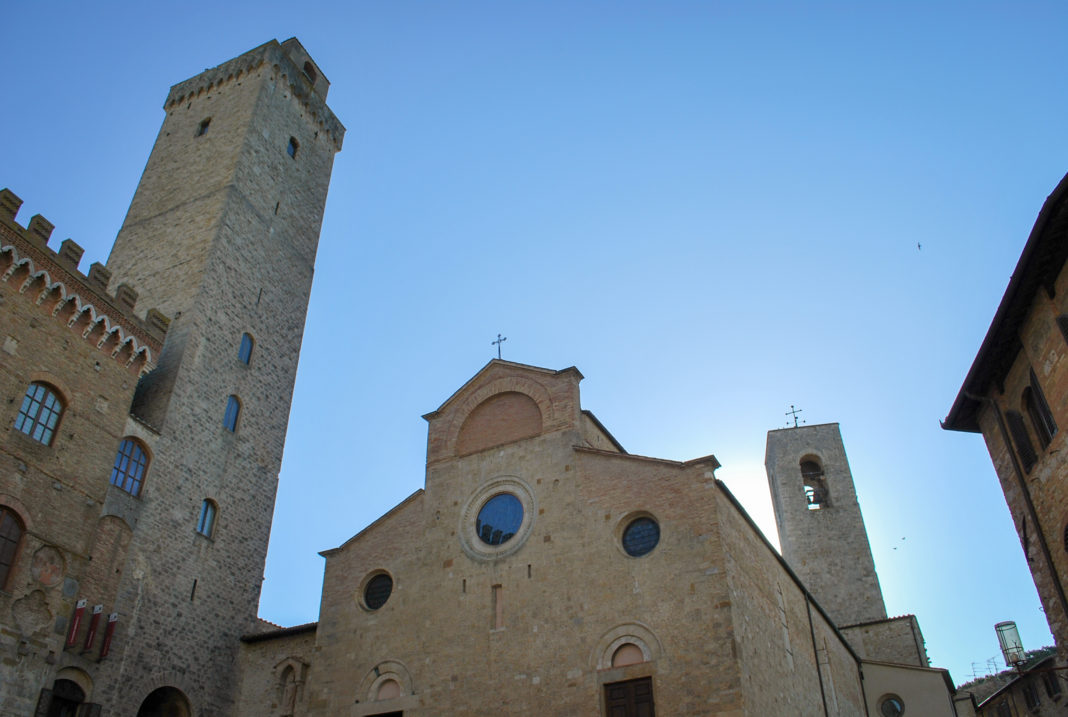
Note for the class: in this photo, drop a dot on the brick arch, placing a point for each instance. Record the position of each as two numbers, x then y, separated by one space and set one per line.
383 672
633 633
531 389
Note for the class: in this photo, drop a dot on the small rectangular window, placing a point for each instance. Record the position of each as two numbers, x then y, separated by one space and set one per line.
202 129
293 147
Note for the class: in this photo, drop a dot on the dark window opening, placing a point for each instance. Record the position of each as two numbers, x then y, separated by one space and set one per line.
1062 323
1030 695
309 71
1052 685
11 530
129 470
39 413
1022 441
633 698
640 537
377 592
202 128
1037 408
293 147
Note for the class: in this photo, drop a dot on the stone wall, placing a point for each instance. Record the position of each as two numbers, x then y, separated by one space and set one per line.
897 639
222 231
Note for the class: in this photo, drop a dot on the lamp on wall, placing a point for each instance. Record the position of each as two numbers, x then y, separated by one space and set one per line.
1011 647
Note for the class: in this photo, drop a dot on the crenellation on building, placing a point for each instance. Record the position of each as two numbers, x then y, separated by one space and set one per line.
112 321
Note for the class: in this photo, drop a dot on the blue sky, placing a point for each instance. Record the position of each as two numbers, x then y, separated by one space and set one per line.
713 210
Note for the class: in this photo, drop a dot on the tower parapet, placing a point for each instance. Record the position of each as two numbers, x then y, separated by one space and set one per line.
112 321
290 61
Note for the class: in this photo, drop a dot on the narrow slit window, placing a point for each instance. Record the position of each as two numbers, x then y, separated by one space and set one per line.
244 352
233 409
498 608
294 145
202 128
206 521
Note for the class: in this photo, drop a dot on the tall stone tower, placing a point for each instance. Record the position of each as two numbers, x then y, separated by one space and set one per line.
821 530
222 235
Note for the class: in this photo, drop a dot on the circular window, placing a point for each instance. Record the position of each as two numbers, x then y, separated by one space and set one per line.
891 706
641 536
377 591
496 520
499 519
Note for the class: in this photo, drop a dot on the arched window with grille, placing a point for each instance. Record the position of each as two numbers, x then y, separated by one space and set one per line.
40 412
11 530
131 462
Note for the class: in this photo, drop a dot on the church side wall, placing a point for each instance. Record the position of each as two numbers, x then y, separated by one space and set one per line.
777 645
895 640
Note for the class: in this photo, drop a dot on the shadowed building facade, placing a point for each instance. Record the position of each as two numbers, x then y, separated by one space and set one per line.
1016 395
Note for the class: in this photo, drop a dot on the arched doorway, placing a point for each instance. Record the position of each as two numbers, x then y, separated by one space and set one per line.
63 700
165 702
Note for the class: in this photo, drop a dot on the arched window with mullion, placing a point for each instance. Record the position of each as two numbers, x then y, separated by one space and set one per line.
40 412
131 462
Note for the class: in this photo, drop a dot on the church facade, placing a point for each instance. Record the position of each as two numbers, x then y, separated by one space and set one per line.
544 570
541 570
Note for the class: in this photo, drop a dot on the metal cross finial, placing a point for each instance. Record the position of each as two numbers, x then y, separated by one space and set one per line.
793 412
500 340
